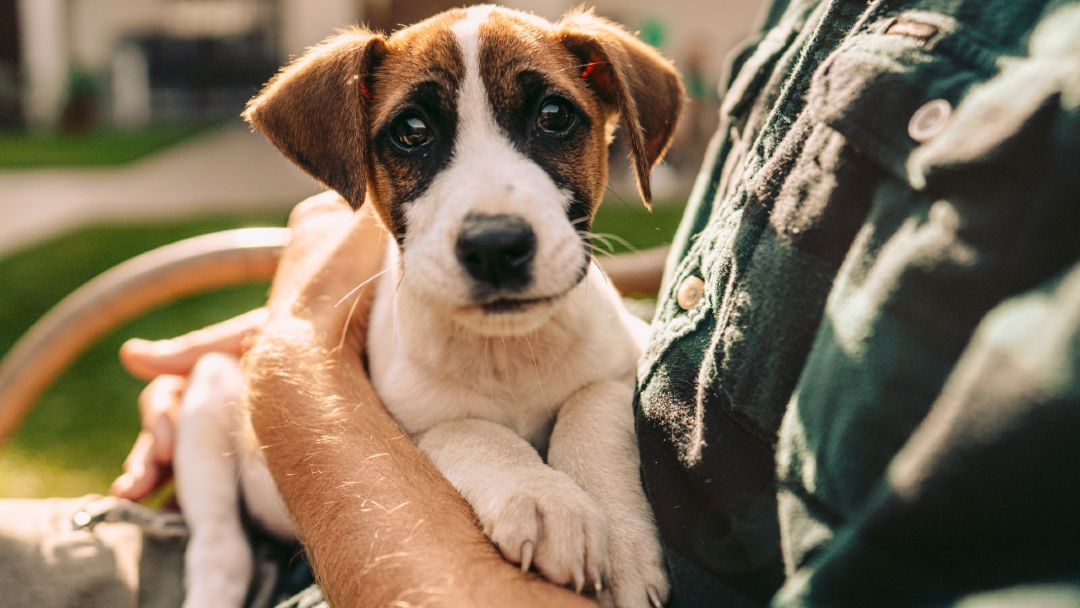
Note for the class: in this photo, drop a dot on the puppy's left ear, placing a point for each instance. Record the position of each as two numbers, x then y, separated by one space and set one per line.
315 111
632 78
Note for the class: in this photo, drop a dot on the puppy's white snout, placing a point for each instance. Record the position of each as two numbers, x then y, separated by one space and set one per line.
497 251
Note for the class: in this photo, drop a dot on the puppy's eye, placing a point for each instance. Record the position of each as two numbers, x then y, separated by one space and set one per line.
410 132
556 115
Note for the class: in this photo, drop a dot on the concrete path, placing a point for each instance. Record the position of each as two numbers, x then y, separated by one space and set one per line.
225 171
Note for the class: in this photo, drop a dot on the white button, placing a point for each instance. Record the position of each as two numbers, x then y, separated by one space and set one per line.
690 293
929 120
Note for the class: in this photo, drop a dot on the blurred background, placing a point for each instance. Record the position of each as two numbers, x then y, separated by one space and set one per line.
120 132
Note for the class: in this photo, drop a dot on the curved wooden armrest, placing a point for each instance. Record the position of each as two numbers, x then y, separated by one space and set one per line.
134 287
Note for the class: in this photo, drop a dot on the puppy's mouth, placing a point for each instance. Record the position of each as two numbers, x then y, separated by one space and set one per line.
515 305
512 305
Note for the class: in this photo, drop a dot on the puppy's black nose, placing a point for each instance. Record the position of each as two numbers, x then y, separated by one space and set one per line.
497 250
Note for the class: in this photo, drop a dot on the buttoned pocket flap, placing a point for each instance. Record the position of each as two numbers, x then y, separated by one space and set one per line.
877 87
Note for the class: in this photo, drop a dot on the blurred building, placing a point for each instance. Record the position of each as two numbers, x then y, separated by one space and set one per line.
130 61
79 63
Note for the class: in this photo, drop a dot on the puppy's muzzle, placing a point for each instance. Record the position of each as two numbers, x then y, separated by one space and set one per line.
497 251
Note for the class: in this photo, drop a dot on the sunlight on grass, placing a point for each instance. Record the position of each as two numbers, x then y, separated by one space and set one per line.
96 148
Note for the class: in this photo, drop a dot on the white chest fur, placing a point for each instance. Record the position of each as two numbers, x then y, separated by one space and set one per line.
429 370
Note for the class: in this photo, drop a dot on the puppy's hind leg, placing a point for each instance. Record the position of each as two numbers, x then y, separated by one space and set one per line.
218 560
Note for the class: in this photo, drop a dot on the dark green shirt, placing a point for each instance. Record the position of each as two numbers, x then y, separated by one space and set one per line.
877 399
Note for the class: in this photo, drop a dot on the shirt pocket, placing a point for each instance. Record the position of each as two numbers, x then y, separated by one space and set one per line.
1004 160
873 86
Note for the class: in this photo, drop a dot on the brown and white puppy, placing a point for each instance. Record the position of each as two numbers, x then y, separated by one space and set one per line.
480 136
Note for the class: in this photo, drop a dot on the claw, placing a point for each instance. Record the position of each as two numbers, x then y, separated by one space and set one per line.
597 578
579 580
526 555
654 597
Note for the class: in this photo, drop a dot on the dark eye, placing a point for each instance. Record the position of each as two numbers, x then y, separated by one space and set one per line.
411 132
556 115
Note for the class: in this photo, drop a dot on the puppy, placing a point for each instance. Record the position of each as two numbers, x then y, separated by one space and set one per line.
480 136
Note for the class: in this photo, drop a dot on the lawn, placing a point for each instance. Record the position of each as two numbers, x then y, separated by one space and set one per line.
76 438
96 148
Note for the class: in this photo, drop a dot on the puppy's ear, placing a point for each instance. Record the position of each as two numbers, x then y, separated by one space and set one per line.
632 78
315 111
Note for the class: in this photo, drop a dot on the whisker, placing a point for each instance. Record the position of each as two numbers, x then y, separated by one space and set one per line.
487 364
506 369
348 318
602 238
361 285
601 271
633 210
540 384
397 289
618 239
601 251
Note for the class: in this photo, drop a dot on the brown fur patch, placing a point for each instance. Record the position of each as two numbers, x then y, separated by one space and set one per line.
422 73
329 111
523 64
632 78
315 113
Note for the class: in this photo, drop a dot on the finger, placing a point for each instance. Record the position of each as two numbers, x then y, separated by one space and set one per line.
159 407
141 473
149 359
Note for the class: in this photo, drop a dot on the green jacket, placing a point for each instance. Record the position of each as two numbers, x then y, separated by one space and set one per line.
877 399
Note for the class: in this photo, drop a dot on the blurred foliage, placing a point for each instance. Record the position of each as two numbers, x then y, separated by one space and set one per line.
653 32
635 226
76 438
28 149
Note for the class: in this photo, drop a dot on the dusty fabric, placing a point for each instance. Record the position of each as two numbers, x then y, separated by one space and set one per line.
48 560
103 552
847 269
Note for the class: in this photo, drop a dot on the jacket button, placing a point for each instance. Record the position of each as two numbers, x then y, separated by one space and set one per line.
690 293
929 120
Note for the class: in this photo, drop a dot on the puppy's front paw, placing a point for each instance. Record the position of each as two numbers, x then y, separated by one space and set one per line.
638 572
550 523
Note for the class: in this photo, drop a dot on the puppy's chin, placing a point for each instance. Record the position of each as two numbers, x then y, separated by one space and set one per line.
506 317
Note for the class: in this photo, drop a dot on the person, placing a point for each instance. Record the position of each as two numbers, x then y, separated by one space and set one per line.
863 387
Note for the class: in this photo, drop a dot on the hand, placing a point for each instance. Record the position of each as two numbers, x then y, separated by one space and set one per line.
166 363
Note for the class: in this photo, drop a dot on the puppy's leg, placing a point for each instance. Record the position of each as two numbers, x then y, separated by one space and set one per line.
594 443
218 558
261 497
533 513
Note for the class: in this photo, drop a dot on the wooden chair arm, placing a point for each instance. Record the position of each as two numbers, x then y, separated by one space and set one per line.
157 277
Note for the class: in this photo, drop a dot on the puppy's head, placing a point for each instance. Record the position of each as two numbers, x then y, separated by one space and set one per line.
481 137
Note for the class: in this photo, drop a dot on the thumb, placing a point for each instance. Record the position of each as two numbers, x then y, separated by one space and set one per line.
147 359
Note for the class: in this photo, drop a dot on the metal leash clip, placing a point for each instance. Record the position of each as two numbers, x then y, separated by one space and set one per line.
117 510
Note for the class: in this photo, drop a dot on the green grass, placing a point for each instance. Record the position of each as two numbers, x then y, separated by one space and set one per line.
76 438
96 148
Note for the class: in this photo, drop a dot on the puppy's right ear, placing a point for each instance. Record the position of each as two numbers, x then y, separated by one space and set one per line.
315 111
